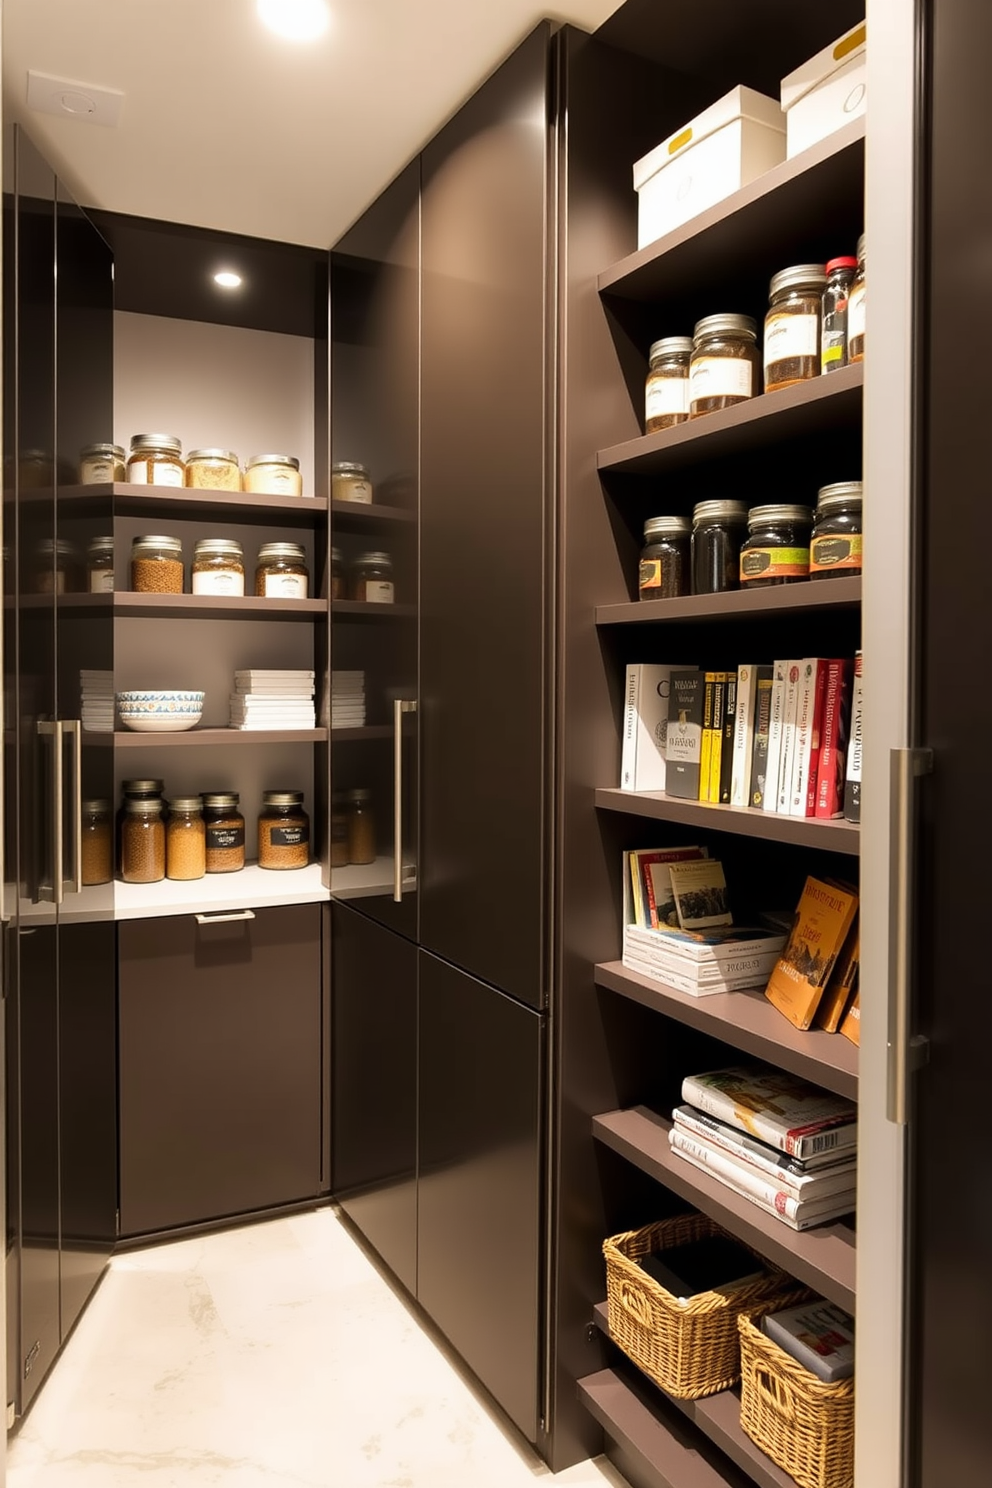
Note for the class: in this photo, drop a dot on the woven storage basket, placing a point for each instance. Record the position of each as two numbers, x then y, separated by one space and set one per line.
804 1425
689 1348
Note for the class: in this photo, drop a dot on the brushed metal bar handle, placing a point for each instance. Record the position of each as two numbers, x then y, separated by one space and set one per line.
74 727
904 1053
400 706
51 729
224 919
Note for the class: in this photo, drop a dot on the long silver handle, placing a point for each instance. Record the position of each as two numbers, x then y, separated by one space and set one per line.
905 1053
400 706
74 728
54 892
224 919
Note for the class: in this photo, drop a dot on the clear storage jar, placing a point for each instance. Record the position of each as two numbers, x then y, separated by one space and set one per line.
835 547
218 566
213 470
135 790
792 326
338 585
224 831
143 841
274 475
777 548
833 327
157 565
663 571
97 848
100 464
724 367
856 309
283 831
282 571
719 529
372 578
350 482
156 460
100 565
55 566
666 391
185 839
339 830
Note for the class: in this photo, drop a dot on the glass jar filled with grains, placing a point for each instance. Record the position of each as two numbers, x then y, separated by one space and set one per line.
156 460
361 827
283 831
350 482
724 367
143 841
719 529
97 842
856 309
663 572
833 329
274 475
100 565
157 565
666 391
225 832
777 548
213 470
792 326
55 567
218 566
185 839
282 571
372 578
835 547
135 790
339 830
100 464
337 574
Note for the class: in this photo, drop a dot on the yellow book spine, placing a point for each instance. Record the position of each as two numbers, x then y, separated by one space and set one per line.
707 740
716 752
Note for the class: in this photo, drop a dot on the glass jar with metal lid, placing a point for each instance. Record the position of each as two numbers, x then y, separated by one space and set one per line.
719 529
100 565
792 326
274 475
225 832
724 366
185 839
833 330
100 464
777 548
55 566
350 482
361 827
372 578
663 572
282 571
666 391
856 309
97 842
156 460
157 565
283 831
337 574
835 547
213 470
35 470
218 566
143 841
135 790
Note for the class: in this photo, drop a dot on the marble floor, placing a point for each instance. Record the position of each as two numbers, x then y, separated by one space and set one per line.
273 1356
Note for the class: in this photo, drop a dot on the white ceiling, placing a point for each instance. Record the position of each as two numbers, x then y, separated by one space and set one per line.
227 126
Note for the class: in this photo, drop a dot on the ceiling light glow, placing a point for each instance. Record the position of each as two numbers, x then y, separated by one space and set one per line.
298 20
227 279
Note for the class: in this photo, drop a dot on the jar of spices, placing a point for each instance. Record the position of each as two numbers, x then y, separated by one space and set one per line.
218 566
835 547
777 548
185 839
35 470
100 565
361 827
792 326
100 464
225 832
282 571
719 529
666 392
856 309
663 572
97 843
350 482
274 475
372 578
213 470
833 332
143 841
157 565
337 574
283 831
156 460
135 790
723 368
339 830
54 564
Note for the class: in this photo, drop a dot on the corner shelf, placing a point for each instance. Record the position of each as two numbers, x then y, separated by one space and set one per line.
747 1021
803 831
212 606
357 516
823 1258
737 604
182 502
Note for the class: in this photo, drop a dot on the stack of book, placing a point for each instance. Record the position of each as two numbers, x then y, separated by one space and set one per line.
787 1147
347 700
272 700
815 980
97 701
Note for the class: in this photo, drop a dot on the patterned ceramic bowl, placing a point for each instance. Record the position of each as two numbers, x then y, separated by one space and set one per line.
163 712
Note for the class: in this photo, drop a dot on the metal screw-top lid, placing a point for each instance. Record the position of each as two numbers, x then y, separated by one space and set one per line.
282 798
49 547
844 493
290 460
100 545
720 511
281 550
670 346
374 560
800 276
861 249
218 545
348 467
666 527
337 556
98 807
102 451
359 797
144 804
142 787
212 454
220 798
768 516
156 441
186 803
725 325
167 544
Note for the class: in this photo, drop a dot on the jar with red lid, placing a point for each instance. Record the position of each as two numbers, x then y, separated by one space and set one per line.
833 328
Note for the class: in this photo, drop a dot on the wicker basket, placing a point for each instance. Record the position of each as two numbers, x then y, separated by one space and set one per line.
804 1425
689 1348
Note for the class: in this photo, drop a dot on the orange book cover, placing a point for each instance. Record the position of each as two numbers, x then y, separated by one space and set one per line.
819 931
851 1026
841 984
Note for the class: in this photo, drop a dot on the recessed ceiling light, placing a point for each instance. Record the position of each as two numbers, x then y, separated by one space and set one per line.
299 20
227 279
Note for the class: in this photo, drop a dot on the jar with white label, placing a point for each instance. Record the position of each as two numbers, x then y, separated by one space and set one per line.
792 326
156 460
157 565
724 367
666 392
350 482
273 475
213 470
218 566
856 310
100 464
372 578
282 571
100 565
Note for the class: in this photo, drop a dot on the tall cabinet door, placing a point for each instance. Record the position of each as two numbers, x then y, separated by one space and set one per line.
484 529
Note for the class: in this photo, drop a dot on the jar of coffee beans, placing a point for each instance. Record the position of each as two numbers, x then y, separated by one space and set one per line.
157 565
283 831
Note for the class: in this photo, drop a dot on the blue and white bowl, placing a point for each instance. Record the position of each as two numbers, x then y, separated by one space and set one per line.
160 712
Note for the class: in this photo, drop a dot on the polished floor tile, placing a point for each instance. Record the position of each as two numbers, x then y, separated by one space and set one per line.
273 1356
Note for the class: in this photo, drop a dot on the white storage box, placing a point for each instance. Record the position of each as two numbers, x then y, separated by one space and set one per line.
731 143
826 92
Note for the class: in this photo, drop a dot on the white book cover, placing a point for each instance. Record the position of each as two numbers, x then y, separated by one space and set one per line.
645 725
777 1107
740 1141
709 947
684 984
740 780
775 724
776 1167
854 746
792 676
819 1335
809 679
796 1214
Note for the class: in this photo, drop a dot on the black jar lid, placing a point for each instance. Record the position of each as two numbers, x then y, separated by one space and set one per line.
720 511
769 516
843 493
656 527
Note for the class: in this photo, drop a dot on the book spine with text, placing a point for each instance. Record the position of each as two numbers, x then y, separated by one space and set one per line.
828 1135
763 677
832 763
783 1171
716 754
815 745
797 1214
727 747
792 674
709 684
852 787
743 737
805 715
628 759
775 721
772 1190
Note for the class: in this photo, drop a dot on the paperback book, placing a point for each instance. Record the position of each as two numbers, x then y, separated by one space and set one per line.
852 788
778 1197
843 980
832 765
684 746
776 720
740 779
776 1107
797 1215
825 1166
651 889
823 920
763 682
787 755
727 746
700 893
645 726
818 1335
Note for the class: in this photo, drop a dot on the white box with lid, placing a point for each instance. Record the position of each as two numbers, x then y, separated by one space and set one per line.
827 92
725 147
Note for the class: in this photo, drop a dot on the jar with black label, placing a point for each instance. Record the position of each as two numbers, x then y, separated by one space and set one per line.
666 391
856 309
835 547
282 571
777 549
833 331
719 529
792 326
372 578
100 565
724 367
225 832
663 572
283 831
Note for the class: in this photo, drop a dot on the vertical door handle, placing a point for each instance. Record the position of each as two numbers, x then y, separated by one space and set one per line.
400 706
74 728
905 1052
54 892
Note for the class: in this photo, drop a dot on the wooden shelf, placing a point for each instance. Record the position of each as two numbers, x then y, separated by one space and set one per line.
823 1258
803 831
211 606
359 735
126 739
192 501
817 407
355 516
360 609
747 1021
737 604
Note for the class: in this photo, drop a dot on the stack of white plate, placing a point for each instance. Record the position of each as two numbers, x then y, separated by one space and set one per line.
272 700
347 700
97 706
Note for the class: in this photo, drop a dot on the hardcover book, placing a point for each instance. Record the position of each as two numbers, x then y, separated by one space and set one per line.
828 1171
793 672
700 892
727 747
852 788
797 1215
841 984
685 734
851 1023
779 1197
740 781
775 725
706 752
817 1335
832 765
654 884
763 679
819 931
645 726
716 754
812 677
776 1107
